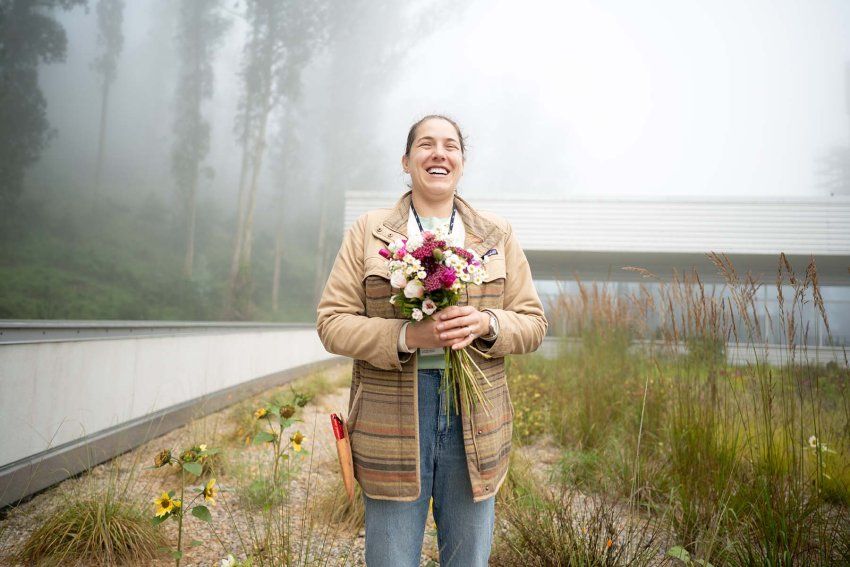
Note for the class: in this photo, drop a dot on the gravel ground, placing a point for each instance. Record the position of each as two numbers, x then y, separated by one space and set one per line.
233 519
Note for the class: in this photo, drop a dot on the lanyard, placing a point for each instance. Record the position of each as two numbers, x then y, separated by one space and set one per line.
419 223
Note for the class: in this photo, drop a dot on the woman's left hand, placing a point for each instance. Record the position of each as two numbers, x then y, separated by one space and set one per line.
463 323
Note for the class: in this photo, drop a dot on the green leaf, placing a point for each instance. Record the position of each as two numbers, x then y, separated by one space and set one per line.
195 543
194 468
263 437
176 554
210 452
157 520
284 423
202 513
680 553
275 410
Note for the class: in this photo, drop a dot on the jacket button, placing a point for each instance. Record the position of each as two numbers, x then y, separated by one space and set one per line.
480 432
487 488
379 229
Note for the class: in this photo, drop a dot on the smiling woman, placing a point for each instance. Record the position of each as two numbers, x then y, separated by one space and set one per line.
408 447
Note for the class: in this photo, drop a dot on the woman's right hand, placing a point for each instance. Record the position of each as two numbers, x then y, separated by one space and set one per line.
424 334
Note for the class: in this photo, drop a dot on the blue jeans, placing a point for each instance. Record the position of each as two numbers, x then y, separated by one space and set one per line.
394 530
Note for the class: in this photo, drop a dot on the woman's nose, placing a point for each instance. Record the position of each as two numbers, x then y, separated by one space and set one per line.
439 151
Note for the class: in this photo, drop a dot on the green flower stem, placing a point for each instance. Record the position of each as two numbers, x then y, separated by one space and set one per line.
180 517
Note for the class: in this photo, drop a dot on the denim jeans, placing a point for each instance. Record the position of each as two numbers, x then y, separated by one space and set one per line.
394 530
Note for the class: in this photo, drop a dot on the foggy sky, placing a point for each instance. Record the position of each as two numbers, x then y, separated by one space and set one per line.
593 99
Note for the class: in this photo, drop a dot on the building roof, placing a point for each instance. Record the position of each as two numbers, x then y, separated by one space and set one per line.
597 237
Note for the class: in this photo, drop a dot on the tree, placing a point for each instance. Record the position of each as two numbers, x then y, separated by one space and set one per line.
282 36
835 165
110 41
29 35
201 28
384 31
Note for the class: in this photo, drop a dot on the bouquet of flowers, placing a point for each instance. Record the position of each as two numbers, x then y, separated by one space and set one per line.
430 273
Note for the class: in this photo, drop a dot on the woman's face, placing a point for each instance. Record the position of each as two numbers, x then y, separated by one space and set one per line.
435 163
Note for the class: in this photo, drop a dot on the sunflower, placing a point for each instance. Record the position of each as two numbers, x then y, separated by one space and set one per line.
209 492
297 439
261 413
165 504
287 411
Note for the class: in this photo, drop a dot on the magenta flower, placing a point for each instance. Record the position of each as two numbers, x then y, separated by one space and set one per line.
448 277
385 253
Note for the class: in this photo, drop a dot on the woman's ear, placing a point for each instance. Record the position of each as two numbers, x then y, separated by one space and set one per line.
404 163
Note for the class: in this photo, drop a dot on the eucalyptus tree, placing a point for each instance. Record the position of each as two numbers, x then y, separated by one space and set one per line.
110 41
200 30
369 45
29 35
835 164
282 36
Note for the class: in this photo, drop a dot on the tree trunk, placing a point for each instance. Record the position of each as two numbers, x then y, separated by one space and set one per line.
189 261
257 164
321 244
104 103
240 222
278 258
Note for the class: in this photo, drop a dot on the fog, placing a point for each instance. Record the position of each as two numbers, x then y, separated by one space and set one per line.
591 99
595 99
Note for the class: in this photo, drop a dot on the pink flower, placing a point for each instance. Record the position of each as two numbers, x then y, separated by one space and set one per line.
385 253
428 306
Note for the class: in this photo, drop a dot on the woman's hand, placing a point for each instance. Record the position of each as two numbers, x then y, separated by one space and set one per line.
450 327
461 325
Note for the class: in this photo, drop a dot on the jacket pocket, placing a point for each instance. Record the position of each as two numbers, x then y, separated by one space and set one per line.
355 409
492 432
376 285
491 293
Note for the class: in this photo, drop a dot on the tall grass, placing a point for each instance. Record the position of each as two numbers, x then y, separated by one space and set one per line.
746 464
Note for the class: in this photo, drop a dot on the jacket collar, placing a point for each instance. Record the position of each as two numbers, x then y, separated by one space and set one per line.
481 234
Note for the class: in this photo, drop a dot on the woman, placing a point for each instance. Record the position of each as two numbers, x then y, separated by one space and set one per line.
405 449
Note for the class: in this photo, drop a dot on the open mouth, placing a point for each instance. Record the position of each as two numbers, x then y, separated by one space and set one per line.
438 171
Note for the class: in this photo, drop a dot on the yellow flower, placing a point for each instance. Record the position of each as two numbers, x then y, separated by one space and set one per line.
297 439
209 492
202 447
164 504
261 413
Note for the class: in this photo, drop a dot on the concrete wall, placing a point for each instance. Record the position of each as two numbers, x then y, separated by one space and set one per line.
55 393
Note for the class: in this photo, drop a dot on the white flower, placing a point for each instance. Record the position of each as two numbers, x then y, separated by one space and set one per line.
416 314
428 306
414 290
392 300
398 280
414 242
230 561
813 442
421 274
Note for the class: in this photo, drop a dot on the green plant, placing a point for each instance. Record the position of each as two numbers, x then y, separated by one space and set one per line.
174 506
567 528
102 529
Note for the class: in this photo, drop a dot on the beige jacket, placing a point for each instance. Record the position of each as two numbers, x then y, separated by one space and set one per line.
355 319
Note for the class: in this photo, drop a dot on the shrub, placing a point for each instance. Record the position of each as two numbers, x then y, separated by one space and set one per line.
102 530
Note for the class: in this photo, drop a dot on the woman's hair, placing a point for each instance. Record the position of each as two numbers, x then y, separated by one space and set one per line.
411 135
